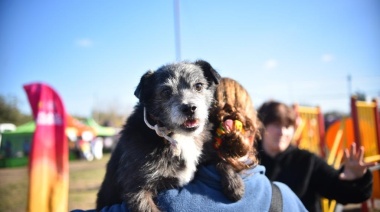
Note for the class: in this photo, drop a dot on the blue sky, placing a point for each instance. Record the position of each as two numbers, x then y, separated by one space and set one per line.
93 52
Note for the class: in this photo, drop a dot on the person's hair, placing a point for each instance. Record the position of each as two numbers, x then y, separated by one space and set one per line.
274 112
233 102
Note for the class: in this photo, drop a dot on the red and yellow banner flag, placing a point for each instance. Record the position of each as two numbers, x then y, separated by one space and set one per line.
48 159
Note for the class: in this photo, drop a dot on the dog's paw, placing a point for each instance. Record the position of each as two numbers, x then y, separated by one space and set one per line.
141 201
232 183
235 189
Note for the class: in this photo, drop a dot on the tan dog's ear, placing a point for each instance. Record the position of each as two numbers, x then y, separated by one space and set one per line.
209 72
140 87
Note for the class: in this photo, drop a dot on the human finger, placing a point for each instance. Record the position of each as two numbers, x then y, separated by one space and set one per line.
361 153
370 164
353 149
346 154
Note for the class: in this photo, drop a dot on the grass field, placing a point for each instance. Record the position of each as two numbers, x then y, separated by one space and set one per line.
85 179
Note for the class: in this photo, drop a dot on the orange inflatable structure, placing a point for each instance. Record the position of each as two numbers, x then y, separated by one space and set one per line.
366 124
362 128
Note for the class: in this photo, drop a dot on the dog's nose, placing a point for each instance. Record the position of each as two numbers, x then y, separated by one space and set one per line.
189 109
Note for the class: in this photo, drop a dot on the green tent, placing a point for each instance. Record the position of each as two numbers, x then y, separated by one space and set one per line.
101 131
19 138
15 145
26 128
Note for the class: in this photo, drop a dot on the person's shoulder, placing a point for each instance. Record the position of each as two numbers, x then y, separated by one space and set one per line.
290 200
258 169
113 208
285 190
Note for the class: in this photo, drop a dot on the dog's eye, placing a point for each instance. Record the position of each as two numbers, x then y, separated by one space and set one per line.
198 86
166 93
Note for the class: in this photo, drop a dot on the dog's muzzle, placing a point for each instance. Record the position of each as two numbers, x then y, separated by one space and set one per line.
190 124
188 109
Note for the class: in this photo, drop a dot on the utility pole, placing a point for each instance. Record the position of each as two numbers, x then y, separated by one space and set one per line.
177 30
349 85
349 91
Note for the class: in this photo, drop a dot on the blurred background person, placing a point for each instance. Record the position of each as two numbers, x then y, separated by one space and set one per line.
307 174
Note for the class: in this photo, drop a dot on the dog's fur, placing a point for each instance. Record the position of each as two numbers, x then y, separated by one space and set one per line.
176 97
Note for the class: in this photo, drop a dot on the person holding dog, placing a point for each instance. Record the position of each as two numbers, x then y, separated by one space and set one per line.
235 130
308 175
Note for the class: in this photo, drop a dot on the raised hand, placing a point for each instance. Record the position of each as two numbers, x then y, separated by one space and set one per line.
354 166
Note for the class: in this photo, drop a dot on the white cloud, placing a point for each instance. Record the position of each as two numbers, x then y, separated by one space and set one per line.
270 64
84 42
327 58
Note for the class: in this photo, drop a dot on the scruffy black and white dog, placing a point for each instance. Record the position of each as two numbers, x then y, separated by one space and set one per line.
162 141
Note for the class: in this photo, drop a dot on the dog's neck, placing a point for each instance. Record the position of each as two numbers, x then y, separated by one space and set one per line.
163 132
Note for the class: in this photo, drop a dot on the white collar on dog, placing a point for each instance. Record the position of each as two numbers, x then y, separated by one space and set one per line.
163 132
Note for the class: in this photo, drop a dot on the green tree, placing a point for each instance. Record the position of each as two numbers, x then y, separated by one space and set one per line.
10 113
361 96
109 118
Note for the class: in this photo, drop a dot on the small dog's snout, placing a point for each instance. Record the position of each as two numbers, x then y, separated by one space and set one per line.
189 109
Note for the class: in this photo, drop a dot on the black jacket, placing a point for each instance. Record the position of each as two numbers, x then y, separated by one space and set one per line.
310 177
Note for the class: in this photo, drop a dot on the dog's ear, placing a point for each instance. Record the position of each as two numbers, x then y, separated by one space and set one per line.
140 87
209 72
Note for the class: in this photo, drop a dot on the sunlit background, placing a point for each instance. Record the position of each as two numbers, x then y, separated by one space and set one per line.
93 53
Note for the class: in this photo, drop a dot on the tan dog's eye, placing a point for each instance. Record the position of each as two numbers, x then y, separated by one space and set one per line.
198 86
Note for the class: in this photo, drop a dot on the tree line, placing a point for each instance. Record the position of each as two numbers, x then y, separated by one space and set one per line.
11 113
